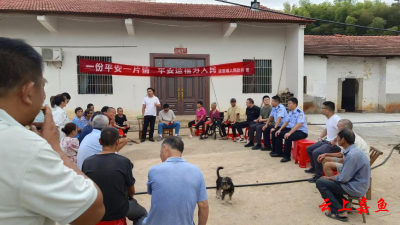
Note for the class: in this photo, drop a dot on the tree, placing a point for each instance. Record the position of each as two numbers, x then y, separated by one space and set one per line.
286 7
304 3
391 33
376 23
351 30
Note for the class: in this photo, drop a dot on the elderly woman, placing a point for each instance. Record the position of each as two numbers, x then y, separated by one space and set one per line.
214 113
58 103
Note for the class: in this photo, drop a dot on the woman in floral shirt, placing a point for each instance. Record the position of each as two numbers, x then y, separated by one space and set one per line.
69 144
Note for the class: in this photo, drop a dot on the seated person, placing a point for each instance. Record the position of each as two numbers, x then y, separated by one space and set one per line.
121 122
259 124
252 113
233 116
69 144
199 120
86 117
90 145
113 174
111 116
78 120
334 161
279 115
354 179
294 129
90 106
89 128
214 113
167 121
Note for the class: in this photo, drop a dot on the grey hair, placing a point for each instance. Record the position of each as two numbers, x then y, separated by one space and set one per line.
346 123
214 103
100 122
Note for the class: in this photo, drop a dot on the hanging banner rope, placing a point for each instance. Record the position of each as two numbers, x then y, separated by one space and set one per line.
229 69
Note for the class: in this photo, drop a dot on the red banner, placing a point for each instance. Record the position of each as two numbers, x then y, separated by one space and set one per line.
229 69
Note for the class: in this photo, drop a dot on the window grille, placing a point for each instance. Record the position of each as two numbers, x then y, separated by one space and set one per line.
89 83
261 80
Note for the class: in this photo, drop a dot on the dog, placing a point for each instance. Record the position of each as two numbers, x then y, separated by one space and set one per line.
225 185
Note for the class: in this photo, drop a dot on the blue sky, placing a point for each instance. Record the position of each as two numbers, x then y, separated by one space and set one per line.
274 4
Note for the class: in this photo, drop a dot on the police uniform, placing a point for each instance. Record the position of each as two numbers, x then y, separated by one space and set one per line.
279 111
295 117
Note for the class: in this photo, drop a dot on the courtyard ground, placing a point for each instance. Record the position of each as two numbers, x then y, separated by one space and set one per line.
278 204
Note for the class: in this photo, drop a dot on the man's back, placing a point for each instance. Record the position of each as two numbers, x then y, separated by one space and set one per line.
176 187
113 174
89 146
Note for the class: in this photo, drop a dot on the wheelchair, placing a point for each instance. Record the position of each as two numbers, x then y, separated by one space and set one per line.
216 126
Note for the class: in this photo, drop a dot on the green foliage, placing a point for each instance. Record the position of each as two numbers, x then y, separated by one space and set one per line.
374 13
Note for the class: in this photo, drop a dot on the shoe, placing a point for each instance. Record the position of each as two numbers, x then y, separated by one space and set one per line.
201 138
143 140
160 138
241 140
151 139
285 160
276 155
311 170
257 147
190 135
314 179
250 144
266 148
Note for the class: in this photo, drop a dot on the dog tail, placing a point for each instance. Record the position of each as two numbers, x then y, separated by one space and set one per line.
219 168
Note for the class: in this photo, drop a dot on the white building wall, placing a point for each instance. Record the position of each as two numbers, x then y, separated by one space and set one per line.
392 85
108 37
315 71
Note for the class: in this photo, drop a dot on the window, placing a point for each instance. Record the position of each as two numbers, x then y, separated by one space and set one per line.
94 83
261 81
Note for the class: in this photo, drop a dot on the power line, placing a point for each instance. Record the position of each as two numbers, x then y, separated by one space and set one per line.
308 18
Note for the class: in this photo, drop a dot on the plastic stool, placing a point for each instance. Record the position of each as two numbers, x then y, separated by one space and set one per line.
198 130
245 133
302 156
231 135
114 222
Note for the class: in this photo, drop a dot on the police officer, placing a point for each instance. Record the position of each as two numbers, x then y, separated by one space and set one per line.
279 115
294 129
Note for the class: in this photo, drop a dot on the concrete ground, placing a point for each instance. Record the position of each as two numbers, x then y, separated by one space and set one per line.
277 204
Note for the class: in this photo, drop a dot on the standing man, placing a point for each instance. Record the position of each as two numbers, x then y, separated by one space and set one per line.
328 145
292 130
167 121
259 124
149 113
354 180
252 114
279 115
233 116
176 187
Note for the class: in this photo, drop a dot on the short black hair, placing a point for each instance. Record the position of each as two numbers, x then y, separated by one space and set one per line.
67 95
19 64
87 111
348 135
165 106
96 114
89 106
151 89
174 143
109 136
294 100
104 109
119 108
200 102
250 100
109 108
77 109
330 105
57 100
265 96
277 98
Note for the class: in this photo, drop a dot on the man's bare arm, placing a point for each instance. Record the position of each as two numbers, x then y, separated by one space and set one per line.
323 134
143 109
94 213
203 212
131 190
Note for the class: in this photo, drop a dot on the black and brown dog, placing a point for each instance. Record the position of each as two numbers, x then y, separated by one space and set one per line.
225 185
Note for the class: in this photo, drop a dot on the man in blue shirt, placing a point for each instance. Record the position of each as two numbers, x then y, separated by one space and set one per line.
279 115
89 128
176 187
294 129
354 180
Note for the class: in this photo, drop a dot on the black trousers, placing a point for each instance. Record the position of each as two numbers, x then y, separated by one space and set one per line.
274 149
147 120
256 127
297 135
125 130
223 127
136 212
239 127
266 134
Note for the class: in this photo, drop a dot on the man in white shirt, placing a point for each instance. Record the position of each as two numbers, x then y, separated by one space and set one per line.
334 161
38 182
324 145
149 113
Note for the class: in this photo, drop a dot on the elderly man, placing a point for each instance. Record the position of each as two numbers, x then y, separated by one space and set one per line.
176 187
113 174
334 161
167 121
111 116
233 116
90 145
354 179
39 183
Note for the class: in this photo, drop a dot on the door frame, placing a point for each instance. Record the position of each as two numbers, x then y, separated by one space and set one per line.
206 85
358 93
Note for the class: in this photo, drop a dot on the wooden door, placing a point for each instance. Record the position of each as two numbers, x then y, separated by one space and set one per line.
181 93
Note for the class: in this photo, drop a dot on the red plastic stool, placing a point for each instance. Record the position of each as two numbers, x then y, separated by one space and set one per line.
245 133
121 132
114 222
302 156
231 135
198 130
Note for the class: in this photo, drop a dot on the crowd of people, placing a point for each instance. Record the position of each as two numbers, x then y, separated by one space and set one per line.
74 167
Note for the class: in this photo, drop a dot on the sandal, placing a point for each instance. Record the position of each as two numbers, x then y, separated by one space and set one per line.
337 217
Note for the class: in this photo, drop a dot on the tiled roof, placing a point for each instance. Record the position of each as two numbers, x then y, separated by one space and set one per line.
352 45
135 9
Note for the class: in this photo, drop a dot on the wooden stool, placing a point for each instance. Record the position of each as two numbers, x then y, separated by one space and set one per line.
140 122
169 131
351 198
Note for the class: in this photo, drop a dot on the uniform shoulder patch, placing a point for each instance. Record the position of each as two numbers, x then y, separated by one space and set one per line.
298 110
